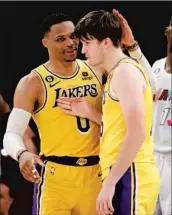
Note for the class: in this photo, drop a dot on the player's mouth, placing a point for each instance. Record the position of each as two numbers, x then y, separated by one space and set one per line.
71 51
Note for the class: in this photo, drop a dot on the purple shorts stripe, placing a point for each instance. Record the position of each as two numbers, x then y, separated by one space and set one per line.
134 189
38 191
125 193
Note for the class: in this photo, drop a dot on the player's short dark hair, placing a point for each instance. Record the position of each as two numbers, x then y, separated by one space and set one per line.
51 20
99 24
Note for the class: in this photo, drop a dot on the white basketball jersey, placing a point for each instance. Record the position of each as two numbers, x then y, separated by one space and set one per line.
162 123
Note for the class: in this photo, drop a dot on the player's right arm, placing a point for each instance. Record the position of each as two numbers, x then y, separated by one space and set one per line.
169 49
25 97
135 52
80 107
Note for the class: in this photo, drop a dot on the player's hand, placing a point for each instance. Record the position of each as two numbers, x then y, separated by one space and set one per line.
75 106
104 200
127 34
27 164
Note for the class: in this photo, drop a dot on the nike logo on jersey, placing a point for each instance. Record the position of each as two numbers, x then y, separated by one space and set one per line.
52 85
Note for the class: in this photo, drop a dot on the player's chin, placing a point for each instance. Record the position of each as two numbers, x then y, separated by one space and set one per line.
70 59
91 63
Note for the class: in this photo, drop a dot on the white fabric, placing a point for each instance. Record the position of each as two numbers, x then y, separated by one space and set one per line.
139 56
163 162
16 127
162 109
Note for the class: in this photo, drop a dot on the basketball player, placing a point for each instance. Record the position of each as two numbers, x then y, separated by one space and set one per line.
62 46
69 181
163 125
131 179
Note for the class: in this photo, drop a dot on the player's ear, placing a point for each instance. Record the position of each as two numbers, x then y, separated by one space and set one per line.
45 42
106 42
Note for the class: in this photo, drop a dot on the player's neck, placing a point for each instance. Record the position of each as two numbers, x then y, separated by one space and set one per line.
61 68
112 57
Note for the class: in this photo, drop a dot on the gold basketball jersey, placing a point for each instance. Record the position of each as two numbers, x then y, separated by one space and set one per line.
62 134
114 127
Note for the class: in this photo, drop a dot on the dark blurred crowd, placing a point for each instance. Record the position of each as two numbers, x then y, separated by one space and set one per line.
15 192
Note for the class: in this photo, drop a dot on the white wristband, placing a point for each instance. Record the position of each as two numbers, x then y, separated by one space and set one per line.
16 127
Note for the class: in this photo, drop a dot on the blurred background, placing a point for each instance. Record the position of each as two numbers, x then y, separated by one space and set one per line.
21 49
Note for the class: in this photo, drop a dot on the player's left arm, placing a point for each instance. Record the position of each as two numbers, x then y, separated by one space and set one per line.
129 85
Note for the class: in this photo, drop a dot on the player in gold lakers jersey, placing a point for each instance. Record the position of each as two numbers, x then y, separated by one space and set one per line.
131 179
67 173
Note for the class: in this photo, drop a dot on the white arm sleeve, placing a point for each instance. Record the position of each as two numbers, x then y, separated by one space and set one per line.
16 127
139 56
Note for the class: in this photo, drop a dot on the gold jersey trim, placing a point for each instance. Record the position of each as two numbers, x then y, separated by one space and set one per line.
45 92
63 77
93 73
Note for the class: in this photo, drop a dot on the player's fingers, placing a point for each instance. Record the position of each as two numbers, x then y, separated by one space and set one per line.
106 210
28 174
115 12
61 101
76 100
118 15
33 169
70 112
38 161
100 208
122 18
27 177
65 106
64 99
110 206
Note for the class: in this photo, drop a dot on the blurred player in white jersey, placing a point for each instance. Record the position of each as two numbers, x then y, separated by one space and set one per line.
163 125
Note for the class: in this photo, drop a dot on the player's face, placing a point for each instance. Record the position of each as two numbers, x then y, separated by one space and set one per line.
93 51
61 42
168 33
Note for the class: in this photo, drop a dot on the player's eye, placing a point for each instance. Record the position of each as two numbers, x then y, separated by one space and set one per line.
60 39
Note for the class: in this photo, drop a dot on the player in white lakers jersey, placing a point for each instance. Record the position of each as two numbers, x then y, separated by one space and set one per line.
67 174
131 179
162 127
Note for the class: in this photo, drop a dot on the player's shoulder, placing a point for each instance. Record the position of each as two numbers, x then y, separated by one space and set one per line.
30 81
127 67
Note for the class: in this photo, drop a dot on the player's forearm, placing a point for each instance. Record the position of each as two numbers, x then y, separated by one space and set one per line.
131 145
95 116
139 56
16 127
29 144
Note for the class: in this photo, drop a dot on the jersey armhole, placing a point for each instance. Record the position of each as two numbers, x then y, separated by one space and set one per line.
110 91
45 93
